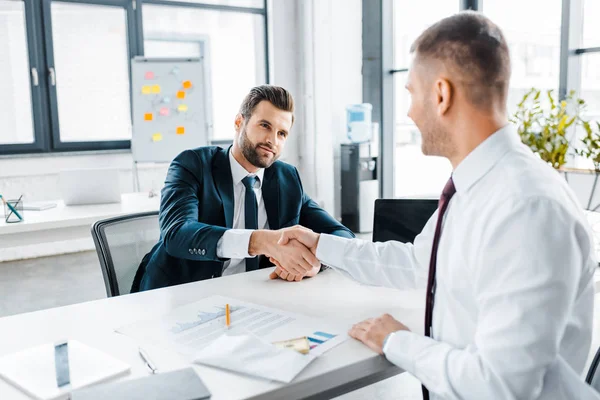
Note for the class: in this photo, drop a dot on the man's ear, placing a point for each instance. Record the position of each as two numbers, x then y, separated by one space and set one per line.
444 96
239 122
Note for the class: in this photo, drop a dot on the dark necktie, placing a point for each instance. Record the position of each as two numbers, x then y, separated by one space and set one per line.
447 194
251 214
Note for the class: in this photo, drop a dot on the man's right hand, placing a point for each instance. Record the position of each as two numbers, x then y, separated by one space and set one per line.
295 257
305 236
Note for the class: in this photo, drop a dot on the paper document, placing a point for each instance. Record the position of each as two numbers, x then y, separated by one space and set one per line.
191 328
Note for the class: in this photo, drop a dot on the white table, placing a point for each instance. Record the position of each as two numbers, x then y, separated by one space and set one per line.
64 229
330 295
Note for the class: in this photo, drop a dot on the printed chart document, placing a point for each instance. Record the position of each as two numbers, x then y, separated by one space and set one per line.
198 331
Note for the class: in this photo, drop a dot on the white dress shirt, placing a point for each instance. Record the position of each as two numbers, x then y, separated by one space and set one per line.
514 298
234 242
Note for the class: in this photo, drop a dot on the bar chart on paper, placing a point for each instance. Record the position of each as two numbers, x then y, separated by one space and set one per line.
190 328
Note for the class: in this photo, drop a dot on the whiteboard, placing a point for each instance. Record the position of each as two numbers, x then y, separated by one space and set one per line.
169 113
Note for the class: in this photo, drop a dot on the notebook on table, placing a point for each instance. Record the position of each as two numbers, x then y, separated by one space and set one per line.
34 370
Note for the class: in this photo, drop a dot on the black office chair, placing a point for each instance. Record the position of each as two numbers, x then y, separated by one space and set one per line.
121 243
401 219
593 375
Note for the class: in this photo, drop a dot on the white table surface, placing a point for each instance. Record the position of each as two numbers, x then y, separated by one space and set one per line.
329 295
63 216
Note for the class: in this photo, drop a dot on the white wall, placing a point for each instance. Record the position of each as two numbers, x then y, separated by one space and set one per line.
331 44
316 53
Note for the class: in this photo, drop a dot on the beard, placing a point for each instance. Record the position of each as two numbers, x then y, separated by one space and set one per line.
250 151
435 138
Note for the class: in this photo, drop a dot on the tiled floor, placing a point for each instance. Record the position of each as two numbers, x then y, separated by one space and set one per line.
41 283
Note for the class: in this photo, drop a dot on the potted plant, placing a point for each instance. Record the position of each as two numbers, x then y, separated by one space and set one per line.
591 151
548 130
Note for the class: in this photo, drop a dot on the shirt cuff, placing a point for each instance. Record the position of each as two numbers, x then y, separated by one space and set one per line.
404 348
330 250
234 244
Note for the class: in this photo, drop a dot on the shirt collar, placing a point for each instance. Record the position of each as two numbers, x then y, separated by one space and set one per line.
238 172
481 160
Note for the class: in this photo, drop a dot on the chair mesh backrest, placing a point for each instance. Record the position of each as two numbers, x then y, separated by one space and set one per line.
126 242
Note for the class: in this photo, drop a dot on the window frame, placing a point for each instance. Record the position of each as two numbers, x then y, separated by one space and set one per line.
380 74
38 26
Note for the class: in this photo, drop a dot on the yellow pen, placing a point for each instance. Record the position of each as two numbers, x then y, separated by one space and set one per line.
227 316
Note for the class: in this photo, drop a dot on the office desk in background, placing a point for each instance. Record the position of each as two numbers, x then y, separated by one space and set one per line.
330 295
64 229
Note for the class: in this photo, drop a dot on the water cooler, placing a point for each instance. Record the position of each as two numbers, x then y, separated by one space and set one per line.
360 187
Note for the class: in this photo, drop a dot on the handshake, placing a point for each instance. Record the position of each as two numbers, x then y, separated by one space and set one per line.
292 250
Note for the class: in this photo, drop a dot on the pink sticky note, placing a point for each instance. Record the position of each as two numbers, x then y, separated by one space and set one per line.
149 75
164 112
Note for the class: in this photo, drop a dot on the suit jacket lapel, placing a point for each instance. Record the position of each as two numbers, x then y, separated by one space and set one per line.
270 192
224 183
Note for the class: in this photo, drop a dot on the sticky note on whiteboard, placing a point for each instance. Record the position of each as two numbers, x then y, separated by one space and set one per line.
156 89
148 117
182 108
181 94
187 84
164 111
146 89
180 130
157 137
149 75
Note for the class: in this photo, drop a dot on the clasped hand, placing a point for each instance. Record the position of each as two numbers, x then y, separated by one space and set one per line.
294 254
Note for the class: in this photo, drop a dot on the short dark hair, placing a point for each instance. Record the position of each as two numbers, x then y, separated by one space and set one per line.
477 50
276 95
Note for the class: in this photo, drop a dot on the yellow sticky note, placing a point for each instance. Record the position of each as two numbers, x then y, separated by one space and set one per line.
181 94
182 108
156 89
180 130
187 84
157 137
146 89
148 117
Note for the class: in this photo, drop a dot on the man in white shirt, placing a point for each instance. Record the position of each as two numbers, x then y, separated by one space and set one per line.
508 257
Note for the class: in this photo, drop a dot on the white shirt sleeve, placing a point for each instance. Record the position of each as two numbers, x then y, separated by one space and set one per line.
527 278
389 264
234 244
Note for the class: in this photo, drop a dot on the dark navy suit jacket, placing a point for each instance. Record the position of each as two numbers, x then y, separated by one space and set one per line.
196 208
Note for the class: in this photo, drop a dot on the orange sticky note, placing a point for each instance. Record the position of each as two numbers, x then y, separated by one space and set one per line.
182 108
156 89
181 94
148 116
157 137
146 89
187 84
180 130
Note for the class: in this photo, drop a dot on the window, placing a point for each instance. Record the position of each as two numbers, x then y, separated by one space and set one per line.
92 88
231 43
410 19
233 3
16 111
591 28
534 43
590 85
65 65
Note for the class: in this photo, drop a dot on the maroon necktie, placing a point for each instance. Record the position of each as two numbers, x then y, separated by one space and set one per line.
447 194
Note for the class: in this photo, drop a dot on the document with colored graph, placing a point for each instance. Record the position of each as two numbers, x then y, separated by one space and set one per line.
192 328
